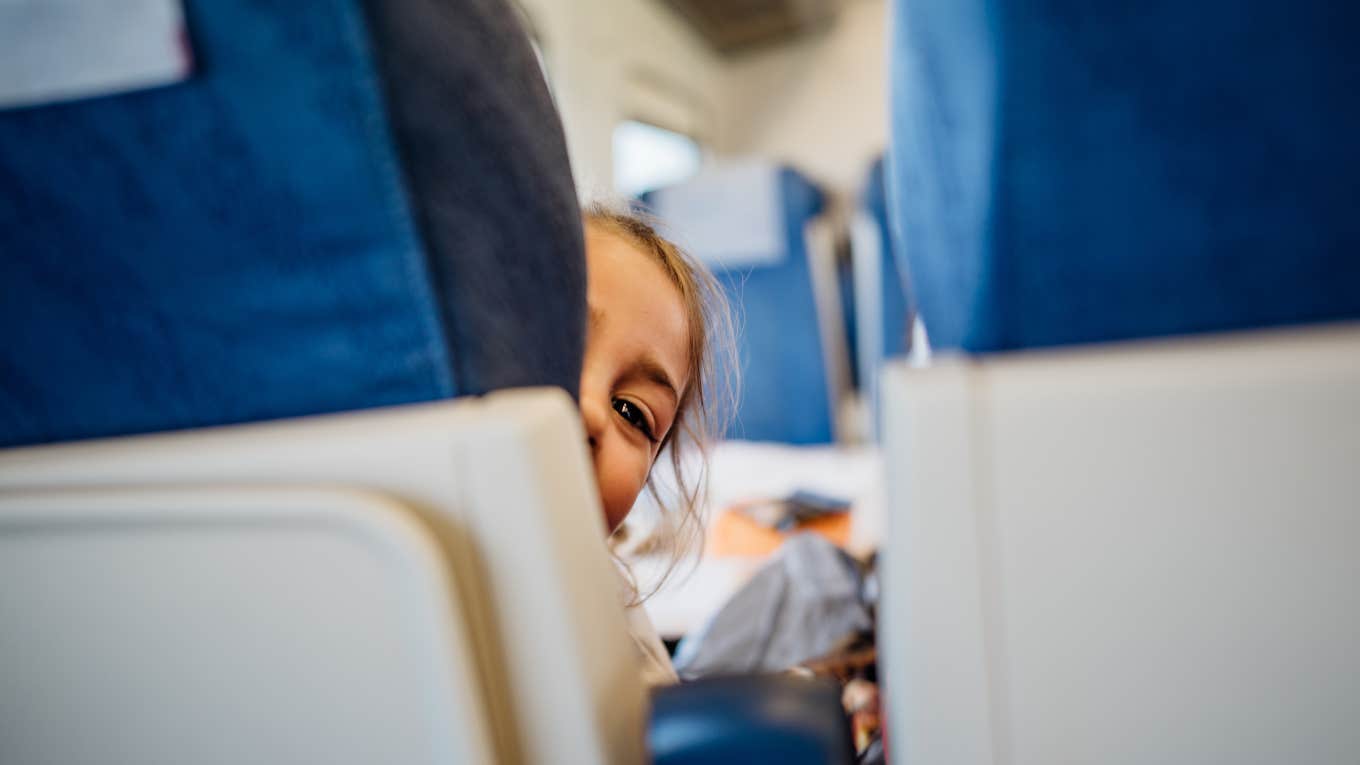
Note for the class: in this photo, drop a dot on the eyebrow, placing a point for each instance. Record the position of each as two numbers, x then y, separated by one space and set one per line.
647 367
650 370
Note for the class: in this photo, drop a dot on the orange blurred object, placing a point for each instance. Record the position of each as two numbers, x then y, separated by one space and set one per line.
735 533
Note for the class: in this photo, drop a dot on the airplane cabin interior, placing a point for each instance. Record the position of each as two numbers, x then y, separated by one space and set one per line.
679 381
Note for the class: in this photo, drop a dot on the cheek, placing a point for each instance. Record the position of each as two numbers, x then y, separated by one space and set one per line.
621 475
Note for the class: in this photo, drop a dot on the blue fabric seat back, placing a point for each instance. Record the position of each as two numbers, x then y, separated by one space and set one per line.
347 204
784 393
1072 172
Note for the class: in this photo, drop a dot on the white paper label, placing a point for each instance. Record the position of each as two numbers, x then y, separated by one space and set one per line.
59 50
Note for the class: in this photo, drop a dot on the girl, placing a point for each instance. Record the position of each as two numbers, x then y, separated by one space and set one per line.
648 384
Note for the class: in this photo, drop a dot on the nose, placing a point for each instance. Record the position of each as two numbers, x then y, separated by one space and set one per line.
594 415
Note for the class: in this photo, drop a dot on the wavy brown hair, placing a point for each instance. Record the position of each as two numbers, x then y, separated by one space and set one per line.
708 400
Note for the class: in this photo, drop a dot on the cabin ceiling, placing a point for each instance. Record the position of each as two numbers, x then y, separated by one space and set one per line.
734 26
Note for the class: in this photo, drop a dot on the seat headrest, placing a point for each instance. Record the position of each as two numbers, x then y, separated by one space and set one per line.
1073 172
731 217
734 213
347 204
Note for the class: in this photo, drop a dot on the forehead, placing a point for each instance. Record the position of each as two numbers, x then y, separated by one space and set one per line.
634 303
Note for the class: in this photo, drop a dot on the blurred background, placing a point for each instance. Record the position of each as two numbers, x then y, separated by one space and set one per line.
650 90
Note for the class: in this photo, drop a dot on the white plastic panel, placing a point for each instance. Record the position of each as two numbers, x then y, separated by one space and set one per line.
504 485
58 50
208 625
1162 542
932 633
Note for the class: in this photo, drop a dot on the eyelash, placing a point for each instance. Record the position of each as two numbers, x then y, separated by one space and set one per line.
637 420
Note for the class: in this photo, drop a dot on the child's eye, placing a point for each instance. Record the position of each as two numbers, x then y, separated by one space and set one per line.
632 414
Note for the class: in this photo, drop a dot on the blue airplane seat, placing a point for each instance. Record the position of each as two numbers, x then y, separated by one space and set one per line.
709 722
1085 173
320 218
1079 173
345 205
786 389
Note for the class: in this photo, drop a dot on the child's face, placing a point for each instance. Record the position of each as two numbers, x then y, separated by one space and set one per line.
636 366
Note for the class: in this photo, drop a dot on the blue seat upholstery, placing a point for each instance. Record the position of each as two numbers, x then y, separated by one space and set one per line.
756 718
1074 172
785 392
348 204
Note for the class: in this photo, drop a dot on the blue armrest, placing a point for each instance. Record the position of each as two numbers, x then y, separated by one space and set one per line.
758 718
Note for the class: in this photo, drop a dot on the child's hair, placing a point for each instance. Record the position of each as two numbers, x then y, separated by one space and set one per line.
709 398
